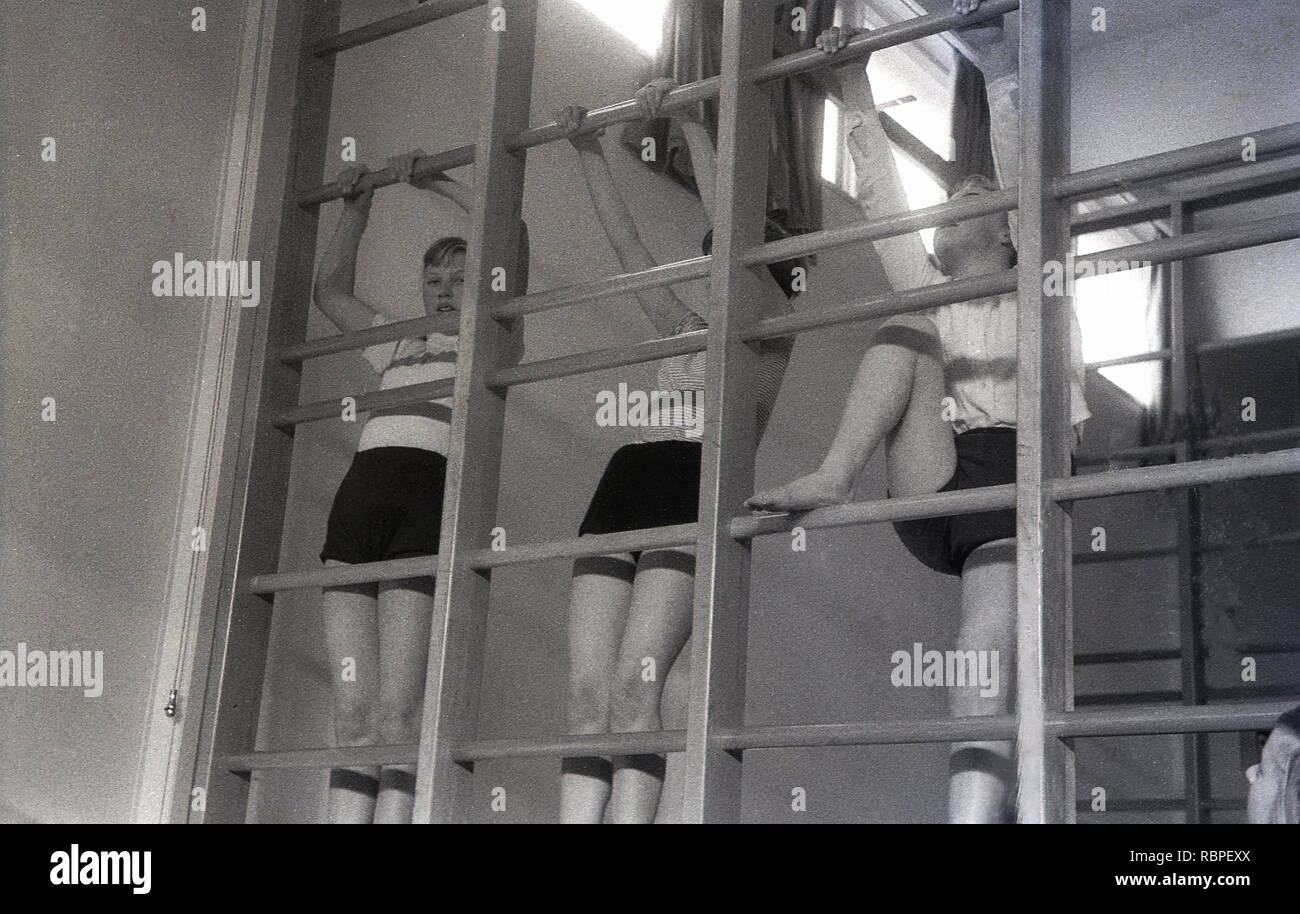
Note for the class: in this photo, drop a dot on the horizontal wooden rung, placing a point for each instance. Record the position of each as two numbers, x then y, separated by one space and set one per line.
919 298
869 733
600 359
650 742
1175 475
1125 720
880 510
338 757
886 510
385 177
1153 720
586 546
1133 720
371 336
375 399
867 42
973 207
430 11
1270 142
334 575
562 297
1255 233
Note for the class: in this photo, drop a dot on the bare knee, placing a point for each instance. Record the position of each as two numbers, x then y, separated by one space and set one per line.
399 724
588 706
634 703
354 725
672 705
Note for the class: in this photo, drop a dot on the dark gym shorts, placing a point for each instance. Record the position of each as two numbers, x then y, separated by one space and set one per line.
985 457
389 506
653 484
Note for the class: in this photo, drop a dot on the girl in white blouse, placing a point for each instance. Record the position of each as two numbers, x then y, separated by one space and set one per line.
939 390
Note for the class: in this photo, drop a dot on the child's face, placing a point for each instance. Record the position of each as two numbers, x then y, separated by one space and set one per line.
958 242
443 283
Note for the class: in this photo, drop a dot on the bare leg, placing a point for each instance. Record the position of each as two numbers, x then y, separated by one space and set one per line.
673 714
352 649
659 623
598 605
898 392
982 772
405 614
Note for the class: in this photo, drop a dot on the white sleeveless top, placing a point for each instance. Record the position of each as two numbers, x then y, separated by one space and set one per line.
399 363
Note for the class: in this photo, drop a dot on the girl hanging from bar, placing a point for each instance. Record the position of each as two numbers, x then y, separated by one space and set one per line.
630 614
938 389
389 505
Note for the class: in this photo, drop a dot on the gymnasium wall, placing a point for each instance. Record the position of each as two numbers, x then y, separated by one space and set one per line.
139 107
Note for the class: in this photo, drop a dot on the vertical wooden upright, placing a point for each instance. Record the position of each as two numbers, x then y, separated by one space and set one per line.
1196 760
443 786
717 698
1044 662
223 700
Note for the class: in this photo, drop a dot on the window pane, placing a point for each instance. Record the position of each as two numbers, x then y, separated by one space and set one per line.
831 142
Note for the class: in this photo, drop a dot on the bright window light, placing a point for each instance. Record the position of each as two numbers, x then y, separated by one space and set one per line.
641 22
831 142
895 85
921 189
1114 316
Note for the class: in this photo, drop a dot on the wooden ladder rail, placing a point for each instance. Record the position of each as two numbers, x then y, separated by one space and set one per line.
225 688
443 784
1044 611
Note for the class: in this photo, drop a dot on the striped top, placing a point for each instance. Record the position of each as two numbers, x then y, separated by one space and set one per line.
680 393
425 424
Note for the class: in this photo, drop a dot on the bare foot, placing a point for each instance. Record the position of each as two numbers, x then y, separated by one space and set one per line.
803 494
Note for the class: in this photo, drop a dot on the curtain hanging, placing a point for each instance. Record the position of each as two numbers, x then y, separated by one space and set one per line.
970 123
691 50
